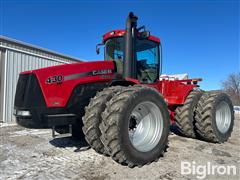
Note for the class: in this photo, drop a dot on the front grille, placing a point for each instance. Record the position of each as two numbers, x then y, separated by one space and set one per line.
28 92
21 89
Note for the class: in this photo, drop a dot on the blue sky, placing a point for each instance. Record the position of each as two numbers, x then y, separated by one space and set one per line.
200 38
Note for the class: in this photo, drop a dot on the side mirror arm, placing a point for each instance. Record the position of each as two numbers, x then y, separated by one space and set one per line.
98 47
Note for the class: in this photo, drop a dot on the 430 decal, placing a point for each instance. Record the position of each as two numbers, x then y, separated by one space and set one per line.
54 79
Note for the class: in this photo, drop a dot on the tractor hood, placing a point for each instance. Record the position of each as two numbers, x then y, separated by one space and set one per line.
58 82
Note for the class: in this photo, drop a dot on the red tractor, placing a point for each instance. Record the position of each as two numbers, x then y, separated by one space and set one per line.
120 105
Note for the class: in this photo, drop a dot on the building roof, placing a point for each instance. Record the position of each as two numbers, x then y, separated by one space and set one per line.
9 43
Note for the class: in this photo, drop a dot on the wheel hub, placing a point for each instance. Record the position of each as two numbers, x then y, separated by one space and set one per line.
145 126
223 117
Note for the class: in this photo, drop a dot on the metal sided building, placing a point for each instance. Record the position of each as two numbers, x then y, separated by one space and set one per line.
15 57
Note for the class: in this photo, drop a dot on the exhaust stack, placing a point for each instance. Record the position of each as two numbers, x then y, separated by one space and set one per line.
130 64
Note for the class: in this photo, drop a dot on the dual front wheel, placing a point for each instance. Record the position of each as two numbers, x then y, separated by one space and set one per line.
133 124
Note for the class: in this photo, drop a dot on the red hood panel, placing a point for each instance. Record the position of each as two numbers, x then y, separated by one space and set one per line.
58 82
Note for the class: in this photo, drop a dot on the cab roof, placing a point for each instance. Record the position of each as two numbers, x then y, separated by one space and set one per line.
120 33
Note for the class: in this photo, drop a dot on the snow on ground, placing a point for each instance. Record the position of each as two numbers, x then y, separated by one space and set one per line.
34 154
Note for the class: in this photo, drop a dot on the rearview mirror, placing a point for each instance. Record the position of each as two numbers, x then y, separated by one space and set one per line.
98 47
144 34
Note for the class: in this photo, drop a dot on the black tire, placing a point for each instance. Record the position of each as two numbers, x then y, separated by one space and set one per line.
184 115
206 119
92 118
115 126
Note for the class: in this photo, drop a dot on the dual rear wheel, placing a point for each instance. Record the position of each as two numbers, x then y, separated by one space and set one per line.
214 117
208 116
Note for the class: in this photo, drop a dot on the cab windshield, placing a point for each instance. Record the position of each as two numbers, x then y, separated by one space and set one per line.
147 53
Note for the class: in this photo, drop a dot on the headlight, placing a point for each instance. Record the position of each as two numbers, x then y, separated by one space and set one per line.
22 113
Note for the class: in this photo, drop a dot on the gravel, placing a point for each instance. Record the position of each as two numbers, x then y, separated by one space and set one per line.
34 154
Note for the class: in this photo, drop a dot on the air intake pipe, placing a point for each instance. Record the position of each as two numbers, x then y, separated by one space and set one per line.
130 60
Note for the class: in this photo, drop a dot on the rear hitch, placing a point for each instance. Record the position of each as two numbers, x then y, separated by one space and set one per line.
61 135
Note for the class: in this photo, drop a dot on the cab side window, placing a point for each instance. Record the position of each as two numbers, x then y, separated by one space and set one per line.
147 61
114 52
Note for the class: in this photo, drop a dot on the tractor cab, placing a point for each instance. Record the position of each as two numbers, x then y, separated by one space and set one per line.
136 53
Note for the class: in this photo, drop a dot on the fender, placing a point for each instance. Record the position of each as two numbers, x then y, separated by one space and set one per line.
124 82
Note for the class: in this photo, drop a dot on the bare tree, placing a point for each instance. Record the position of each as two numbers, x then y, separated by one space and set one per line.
232 87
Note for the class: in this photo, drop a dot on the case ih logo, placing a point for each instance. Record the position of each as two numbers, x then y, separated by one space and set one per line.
100 72
59 78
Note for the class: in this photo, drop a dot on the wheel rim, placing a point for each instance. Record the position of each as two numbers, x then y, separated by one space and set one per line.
223 117
145 126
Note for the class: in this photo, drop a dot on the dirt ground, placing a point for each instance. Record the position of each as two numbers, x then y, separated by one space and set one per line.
34 154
